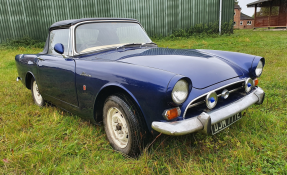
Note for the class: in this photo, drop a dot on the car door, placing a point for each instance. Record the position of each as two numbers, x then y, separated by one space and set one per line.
56 73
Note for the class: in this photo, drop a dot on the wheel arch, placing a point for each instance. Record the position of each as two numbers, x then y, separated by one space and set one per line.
107 91
28 78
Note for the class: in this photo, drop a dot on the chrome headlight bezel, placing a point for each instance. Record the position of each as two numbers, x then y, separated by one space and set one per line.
248 85
211 100
180 91
257 67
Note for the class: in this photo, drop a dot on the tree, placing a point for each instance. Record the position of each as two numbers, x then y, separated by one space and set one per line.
236 2
264 11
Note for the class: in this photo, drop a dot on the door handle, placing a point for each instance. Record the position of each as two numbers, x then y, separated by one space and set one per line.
40 59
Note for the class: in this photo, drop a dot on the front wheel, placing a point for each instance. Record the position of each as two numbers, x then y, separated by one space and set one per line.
38 99
124 125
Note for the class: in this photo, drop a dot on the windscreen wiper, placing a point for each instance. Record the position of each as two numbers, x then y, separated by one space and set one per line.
148 44
129 45
136 44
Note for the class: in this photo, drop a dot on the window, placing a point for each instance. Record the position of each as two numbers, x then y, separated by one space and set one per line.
97 36
87 37
265 11
234 23
234 12
249 23
275 10
241 23
58 36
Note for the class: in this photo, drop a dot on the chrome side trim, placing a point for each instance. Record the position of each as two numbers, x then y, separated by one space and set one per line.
187 107
86 75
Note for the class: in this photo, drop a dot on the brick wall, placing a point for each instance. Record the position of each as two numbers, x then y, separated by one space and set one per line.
237 18
245 26
244 22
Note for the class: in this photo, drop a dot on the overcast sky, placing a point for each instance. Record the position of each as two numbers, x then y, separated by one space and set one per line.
248 11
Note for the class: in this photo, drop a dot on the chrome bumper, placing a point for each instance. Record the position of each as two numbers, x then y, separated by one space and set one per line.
205 120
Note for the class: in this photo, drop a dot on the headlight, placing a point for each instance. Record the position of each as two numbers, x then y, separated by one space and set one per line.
180 92
259 69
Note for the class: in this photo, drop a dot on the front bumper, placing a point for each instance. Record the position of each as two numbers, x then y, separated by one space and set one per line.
205 120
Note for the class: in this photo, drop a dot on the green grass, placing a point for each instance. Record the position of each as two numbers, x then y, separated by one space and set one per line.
46 140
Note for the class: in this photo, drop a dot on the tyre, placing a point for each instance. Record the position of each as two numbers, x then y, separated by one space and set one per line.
38 99
124 125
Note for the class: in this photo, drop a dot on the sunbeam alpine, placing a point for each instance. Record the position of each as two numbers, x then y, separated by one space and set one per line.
109 70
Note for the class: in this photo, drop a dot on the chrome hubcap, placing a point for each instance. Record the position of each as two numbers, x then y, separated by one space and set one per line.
118 128
36 93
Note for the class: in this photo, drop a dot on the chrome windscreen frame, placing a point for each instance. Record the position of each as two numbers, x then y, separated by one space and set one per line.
71 43
190 105
73 27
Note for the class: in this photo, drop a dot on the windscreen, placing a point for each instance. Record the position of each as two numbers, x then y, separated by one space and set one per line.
98 36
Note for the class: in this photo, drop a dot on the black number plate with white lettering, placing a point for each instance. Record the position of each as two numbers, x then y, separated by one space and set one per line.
217 127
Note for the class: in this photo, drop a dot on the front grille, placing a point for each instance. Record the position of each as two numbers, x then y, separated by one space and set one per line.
198 106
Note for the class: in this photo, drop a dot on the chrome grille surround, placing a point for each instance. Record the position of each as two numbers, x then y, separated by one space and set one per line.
232 87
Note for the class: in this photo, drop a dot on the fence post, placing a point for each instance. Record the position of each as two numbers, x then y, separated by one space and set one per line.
220 14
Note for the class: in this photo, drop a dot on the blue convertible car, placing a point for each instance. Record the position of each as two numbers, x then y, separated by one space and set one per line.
109 70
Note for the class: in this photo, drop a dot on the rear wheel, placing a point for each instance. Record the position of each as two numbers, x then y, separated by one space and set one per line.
38 99
124 125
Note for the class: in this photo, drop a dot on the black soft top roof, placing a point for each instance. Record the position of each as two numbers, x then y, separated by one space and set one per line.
67 23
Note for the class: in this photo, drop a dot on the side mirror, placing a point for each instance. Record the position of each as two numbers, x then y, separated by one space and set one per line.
59 48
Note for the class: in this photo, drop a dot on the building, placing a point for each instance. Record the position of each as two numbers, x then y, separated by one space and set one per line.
270 13
241 20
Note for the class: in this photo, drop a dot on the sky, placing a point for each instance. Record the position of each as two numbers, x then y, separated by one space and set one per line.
244 9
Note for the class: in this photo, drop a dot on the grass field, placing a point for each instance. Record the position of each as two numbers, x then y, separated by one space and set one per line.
47 140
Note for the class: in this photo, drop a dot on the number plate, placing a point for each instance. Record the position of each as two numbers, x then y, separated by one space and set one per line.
217 127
